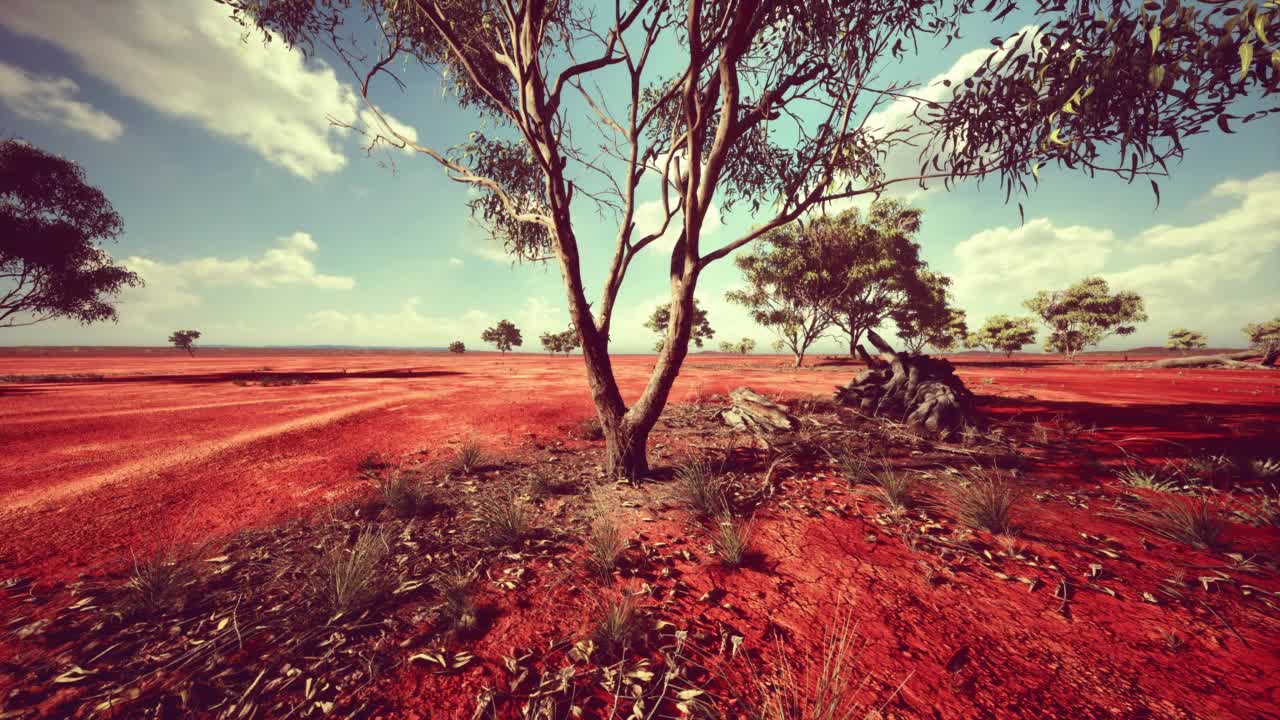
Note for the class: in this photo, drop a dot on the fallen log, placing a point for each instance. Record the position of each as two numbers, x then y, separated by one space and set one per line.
1230 361
921 391
754 413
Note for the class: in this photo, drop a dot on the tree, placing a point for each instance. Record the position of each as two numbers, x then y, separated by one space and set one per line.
791 285
761 104
52 224
700 329
928 318
561 342
742 347
457 347
185 340
505 335
1085 313
1265 336
1185 340
1001 333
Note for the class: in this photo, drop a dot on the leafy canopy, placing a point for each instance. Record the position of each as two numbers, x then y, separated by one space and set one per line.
185 340
565 341
504 336
457 347
1002 333
742 347
1085 313
928 318
52 224
700 331
1264 334
1184 340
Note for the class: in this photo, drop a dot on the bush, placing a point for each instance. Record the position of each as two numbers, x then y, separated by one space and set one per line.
986 501
470 457
732 541
502 520
605 544
698 489
352 579
457 590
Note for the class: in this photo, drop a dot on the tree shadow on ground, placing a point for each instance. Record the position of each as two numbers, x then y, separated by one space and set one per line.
249 377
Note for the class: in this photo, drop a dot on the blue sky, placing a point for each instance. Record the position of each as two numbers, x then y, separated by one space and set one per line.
254 220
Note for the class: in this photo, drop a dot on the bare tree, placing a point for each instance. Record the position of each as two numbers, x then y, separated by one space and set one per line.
765 104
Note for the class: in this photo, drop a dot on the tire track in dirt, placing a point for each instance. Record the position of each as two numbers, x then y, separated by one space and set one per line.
32 499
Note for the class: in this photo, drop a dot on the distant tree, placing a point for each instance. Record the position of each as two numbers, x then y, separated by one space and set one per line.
1085 313
927 317
778 345
505 335
1185 340
1001 333
741 347
699 332
1265 336
185 340
52 225
457 347
561 342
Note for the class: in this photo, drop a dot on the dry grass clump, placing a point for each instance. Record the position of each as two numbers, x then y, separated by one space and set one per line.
731 540
457 591
591 429
352 579
605 544
1265 468
895 490
543 483
1264 511
1142 478
373 462
698 488
986 501
158 583
615 627
404 493
469 458
1192 521
502 520
807 690
853 464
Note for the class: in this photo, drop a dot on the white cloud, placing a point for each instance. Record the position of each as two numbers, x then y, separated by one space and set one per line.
172 285
491 251
51 100
186 58
1010 263
455 262
1201 274
649 216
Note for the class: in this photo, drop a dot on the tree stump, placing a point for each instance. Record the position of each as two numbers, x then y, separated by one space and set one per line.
921 391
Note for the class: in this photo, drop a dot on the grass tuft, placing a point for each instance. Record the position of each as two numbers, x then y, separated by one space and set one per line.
895 490
457 591
700 490
158 583
605 544
373 462
503 520
615 627
1263 512
591 429
470 457
732 541
1265 468
1136 477
826 690
1192 521
853 464
986 501
352 578
405 495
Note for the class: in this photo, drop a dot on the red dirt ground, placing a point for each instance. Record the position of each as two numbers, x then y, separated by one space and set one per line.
166 447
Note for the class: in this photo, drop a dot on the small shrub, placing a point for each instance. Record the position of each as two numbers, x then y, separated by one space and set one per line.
986 502
605 544
732 541
700 490
1208 468
158 583
1264 512
353 579
502 520
470 457
457 591
1191 521
591 429
615 626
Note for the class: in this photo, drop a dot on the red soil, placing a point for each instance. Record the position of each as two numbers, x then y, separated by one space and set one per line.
165 446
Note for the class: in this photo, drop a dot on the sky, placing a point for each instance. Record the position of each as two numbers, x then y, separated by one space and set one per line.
254 219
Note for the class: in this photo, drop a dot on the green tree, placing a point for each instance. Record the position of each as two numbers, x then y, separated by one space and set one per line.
504 336
1085 313
185 340
52 225
457 347
561 342
1265 336
762 104
1185 340
741 347
927 318
1001 333
700 329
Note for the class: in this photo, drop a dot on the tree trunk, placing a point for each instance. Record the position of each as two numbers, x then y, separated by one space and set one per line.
799 359
625 455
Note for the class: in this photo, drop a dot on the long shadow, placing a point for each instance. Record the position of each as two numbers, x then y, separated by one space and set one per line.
249 376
